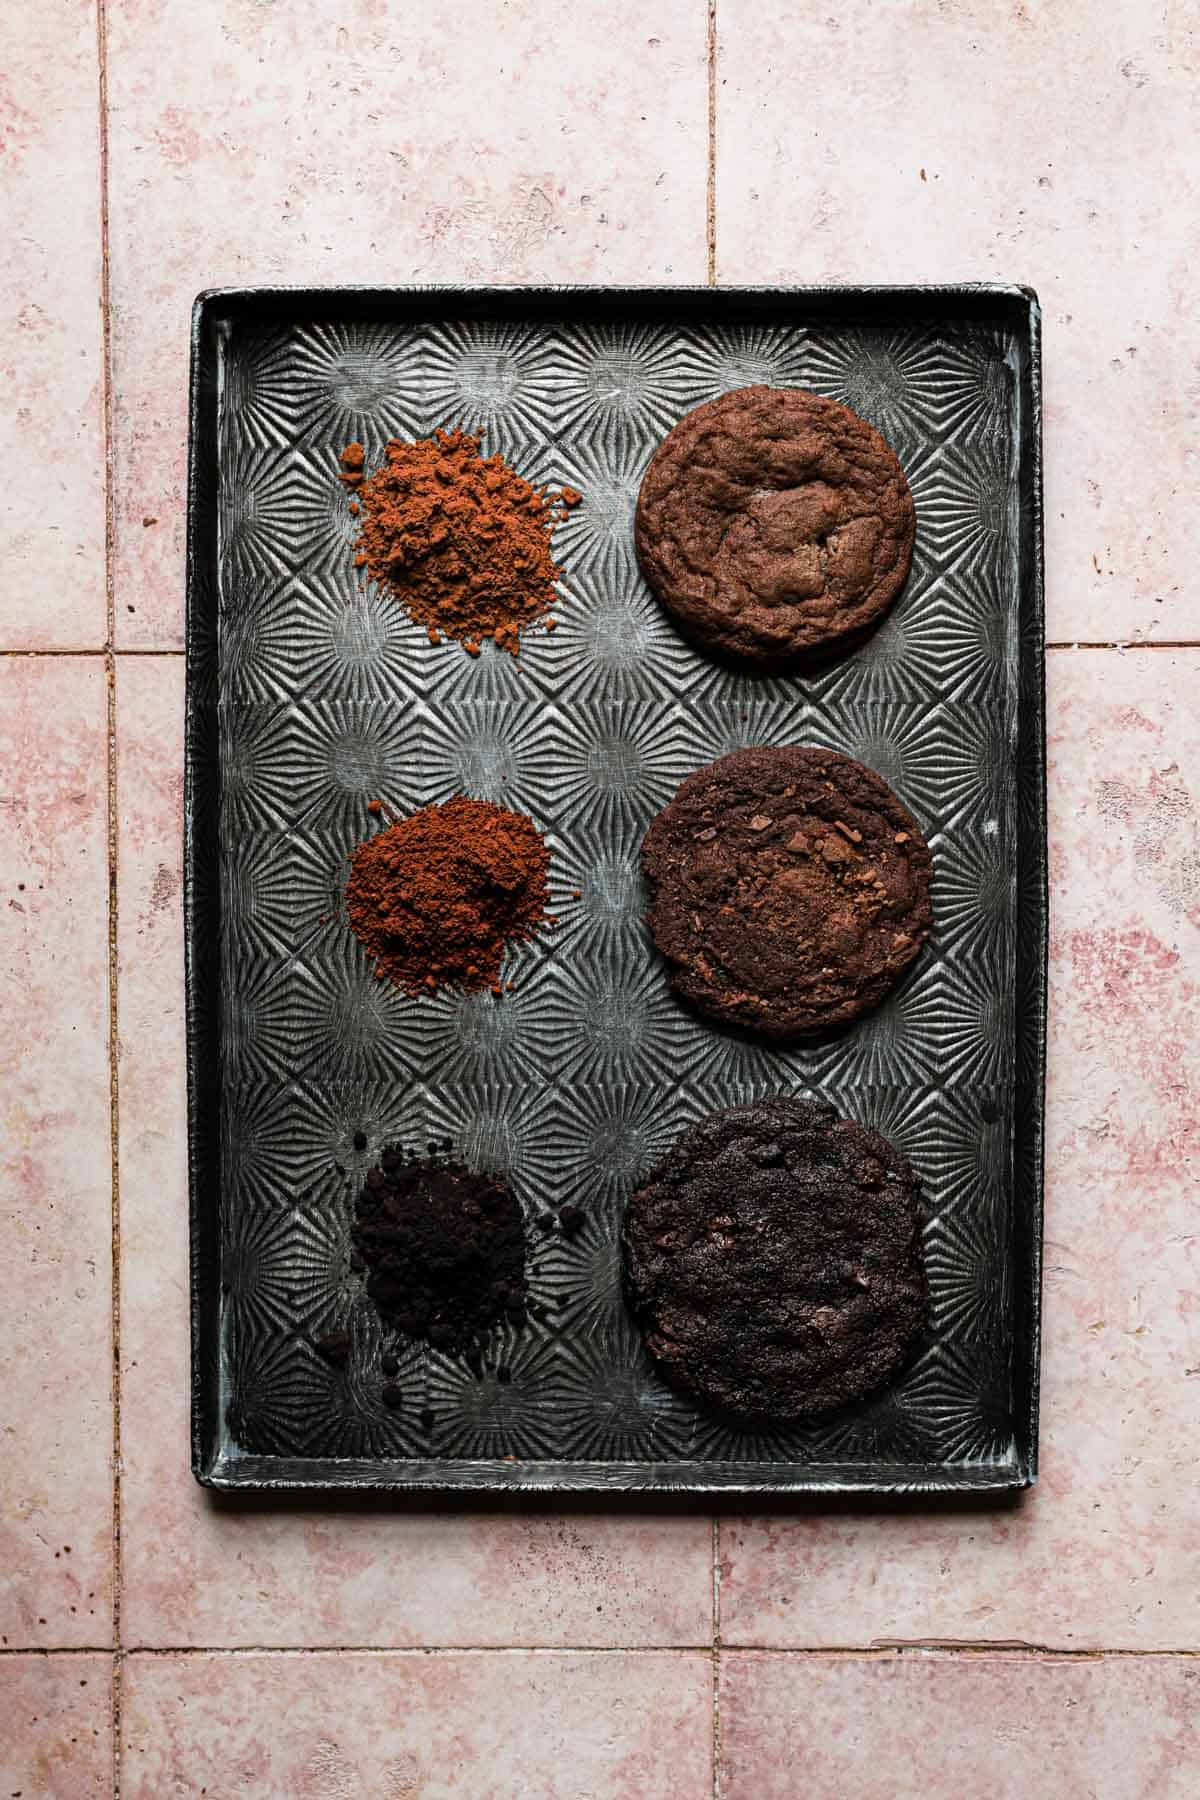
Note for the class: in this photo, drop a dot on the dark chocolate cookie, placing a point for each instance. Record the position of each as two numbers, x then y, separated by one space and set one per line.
789 889
773 1260
772 524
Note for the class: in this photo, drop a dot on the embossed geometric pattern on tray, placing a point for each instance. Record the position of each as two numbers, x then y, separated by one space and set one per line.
579 1079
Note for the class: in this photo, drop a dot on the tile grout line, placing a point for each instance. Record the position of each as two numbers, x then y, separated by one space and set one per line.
716 1656
949 1648
1122 644
106 342
876 1652
114 1136
102 650
710 188
110 681
1010 1649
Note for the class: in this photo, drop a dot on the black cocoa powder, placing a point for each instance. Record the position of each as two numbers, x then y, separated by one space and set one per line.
443 1247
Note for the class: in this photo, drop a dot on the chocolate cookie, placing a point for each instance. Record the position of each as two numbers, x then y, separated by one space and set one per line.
773 1260
774 523
789 889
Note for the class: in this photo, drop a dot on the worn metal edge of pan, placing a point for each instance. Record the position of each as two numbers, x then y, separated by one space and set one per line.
284 1474
857 302
199 968
1033 942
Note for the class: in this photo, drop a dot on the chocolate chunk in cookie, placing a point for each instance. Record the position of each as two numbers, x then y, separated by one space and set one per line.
789 889
773 1260
774 524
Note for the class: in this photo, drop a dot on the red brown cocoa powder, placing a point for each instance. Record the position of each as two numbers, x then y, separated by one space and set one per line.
436 898
460 540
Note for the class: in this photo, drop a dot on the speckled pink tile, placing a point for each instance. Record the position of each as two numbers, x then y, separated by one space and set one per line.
55 1156
252 143
197 1575
960 140
1106 1551
52 593
995 1727
547 1726
56 1727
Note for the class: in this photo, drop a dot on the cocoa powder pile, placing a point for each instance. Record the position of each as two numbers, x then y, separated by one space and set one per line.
459 539
444 1247
436 898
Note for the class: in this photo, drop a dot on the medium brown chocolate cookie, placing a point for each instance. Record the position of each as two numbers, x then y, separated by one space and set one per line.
789 889
773 1260
772 524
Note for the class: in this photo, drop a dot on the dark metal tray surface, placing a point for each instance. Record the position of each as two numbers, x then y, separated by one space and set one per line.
309 695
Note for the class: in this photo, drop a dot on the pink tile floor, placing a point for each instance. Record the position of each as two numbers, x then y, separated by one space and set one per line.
153 1644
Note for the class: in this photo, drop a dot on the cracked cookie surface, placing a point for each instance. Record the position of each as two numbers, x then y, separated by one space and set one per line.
789 889
773 1260
773 524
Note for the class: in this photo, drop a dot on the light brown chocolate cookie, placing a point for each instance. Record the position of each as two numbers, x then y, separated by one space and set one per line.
774 525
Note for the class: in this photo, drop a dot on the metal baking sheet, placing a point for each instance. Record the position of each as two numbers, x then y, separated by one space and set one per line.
308 696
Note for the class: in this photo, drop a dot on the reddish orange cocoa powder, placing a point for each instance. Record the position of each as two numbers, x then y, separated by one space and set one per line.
436 898
459 539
